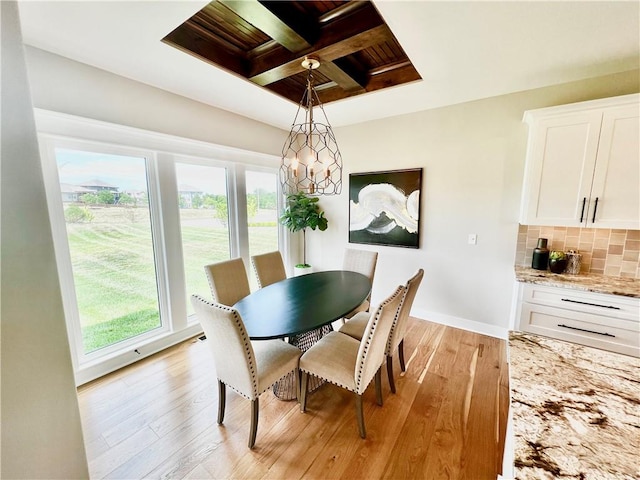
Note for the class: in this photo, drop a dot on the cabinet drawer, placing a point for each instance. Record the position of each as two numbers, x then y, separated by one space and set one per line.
587 302
613 334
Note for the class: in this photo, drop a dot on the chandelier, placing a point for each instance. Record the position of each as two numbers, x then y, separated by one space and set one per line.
311 161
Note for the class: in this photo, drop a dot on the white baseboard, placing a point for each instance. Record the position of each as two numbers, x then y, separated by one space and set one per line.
91 371
462 323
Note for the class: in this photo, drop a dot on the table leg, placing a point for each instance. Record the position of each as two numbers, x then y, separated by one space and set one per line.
285 389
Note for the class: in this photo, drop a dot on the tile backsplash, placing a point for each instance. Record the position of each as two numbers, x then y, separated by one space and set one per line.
604 251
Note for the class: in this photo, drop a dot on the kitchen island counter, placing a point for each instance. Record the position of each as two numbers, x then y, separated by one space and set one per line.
575 410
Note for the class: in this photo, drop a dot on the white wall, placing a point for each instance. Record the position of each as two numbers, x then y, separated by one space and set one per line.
41 430
66 86
472 157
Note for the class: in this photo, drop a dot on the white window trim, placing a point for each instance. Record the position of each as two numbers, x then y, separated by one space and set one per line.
162 151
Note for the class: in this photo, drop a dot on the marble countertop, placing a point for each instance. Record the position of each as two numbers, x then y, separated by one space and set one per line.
575 410
628 287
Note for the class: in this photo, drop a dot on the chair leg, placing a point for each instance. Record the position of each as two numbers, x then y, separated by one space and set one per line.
296 374
401 355
360 416
378 378
392 384
255 408
303 391
222 398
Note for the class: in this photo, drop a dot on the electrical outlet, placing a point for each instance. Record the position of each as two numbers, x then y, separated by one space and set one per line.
473 239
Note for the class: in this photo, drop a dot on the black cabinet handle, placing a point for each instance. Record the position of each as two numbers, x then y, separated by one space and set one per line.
585 330
590 304
595 209
584 203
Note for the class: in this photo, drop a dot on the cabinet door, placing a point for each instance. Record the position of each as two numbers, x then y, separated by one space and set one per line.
560 163
616 181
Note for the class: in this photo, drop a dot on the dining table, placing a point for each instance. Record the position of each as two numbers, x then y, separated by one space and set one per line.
301 310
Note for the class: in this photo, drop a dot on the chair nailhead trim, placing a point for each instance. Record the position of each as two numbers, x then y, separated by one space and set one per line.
245 340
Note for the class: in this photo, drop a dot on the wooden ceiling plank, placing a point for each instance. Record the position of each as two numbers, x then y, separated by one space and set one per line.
265 20
327 54
390 67
207 35
342 11
189 42
403 73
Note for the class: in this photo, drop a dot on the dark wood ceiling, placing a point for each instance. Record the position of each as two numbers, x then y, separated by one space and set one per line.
266 41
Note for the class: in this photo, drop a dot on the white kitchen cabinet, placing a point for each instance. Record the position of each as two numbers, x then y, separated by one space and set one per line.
608 322
583 165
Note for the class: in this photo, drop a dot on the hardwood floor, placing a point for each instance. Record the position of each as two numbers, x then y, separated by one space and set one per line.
157 419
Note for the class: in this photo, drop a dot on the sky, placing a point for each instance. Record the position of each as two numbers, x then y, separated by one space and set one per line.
129 173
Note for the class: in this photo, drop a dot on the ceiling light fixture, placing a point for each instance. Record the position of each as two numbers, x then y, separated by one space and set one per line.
311 160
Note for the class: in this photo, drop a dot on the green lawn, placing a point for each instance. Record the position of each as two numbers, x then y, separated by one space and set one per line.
114 272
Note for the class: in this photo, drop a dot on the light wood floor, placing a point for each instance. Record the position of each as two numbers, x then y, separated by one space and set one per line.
157 419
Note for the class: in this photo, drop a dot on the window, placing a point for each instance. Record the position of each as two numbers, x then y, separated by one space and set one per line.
105 200
204 223
135 216
262 214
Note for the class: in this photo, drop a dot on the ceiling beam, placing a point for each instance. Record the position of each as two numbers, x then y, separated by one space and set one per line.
329 53
288 31
340 30
340 77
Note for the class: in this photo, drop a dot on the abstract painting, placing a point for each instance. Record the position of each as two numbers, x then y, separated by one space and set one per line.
384 208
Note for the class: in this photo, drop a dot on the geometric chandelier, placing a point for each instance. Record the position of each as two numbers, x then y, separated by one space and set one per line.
311 161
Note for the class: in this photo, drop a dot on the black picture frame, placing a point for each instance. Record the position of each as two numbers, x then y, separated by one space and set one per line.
383 207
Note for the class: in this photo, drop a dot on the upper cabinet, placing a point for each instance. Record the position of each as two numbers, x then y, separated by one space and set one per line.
583 165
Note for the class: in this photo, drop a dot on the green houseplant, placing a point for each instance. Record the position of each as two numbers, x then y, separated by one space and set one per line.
302 212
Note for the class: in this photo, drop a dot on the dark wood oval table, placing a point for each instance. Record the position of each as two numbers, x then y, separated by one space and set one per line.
301 309
301 304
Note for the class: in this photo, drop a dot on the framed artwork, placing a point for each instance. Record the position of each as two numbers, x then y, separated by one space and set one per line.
384 208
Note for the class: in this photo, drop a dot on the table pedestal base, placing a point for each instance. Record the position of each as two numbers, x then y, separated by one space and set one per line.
285 389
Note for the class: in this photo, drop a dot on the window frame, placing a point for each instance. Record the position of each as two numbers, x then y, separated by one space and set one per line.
162 152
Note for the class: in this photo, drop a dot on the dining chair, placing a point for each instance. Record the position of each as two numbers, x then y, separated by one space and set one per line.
364 262
356 326
269 268
228 281
248 368
349 363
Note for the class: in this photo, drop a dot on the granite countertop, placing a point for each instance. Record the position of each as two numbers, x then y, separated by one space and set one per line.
575 410
591 282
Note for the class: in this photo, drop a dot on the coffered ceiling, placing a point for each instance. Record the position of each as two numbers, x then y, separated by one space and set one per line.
461 50
265 42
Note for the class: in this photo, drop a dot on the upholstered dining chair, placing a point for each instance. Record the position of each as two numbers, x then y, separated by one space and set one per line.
228 281
364 262
349 363
249 368
356 326
269 268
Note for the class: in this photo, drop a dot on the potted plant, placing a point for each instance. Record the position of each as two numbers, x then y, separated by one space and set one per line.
557 261
300 213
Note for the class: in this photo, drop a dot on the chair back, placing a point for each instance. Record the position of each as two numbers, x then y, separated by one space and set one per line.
228 281
230 346
361 261
374 341
269 268
399 328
